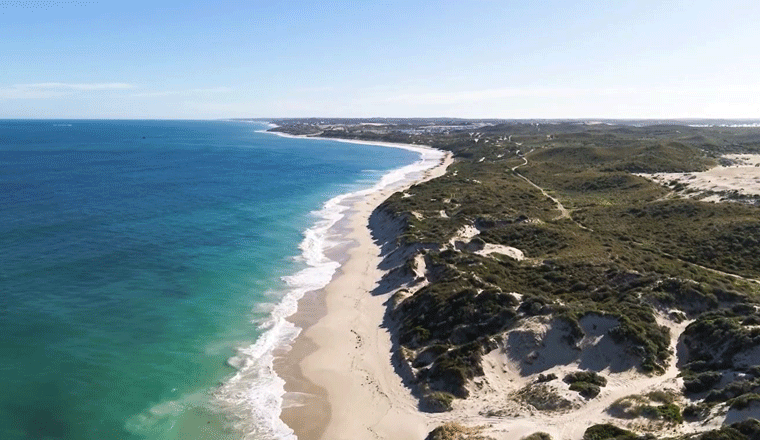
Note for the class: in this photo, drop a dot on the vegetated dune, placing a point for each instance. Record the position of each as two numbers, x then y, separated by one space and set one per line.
561 295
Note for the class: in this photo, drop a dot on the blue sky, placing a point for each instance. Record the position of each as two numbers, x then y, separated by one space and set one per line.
465 58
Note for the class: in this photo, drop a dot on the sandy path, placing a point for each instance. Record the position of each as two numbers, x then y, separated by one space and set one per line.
563 212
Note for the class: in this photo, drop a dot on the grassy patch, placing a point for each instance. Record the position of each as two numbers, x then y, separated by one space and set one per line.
543 398
744 401
455 431
745 430
438 401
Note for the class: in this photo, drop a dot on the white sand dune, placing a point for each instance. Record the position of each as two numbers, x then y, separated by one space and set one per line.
742 177
538 346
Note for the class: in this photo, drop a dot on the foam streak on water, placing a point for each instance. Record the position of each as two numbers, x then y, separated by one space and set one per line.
254 395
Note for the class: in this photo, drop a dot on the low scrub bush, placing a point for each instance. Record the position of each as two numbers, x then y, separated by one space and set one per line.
538 436
585 389
608 432
586 376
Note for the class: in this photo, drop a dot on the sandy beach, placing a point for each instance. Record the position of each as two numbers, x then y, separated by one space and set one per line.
340 383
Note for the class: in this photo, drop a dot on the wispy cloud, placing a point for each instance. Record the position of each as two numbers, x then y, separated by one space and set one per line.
76 86
159 94
56 89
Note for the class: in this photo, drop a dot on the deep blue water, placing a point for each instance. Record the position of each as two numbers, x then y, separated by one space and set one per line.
135 256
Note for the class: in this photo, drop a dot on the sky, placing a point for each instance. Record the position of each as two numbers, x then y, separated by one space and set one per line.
363 58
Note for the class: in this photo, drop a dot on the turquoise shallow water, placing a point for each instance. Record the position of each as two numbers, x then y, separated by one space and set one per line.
137 256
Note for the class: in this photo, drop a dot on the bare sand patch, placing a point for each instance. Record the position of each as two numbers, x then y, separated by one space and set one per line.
740 174
512 401
509 251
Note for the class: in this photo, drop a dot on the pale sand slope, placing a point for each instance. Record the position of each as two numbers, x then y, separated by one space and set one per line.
743 177
463 240
352 360
537 347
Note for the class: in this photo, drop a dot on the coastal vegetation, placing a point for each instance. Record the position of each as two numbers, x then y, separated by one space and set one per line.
609 432
538 436
605 253
543 398
455 431
587 383
656 405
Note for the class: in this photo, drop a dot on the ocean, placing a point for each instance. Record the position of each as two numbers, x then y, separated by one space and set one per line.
146 268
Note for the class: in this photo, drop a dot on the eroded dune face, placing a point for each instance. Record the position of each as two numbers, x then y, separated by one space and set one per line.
527 385
599 351
540 344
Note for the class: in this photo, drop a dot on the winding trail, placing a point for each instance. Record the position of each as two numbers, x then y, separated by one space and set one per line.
710 269
563 212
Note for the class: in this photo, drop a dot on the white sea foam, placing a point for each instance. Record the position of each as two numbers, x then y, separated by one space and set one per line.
253 397
160 419
269 125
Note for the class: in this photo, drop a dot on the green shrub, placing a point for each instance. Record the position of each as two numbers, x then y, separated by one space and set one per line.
438 401
585 376
749 427
724 433
744 401
455 431
585 389
732 390
543 398
538 436
608 432
669 412
546 377
695 412
702 381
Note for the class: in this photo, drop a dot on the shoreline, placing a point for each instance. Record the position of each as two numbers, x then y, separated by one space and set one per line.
341 360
